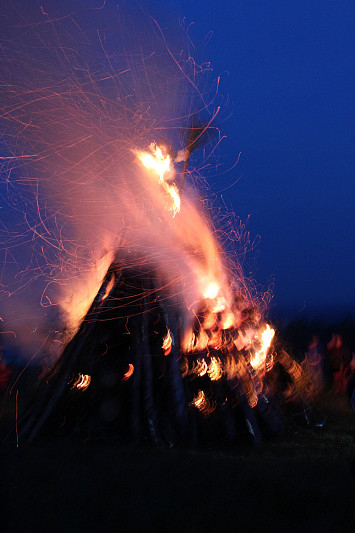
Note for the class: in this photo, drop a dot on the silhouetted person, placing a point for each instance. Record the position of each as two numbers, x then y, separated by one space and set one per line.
339 363
351 382
315 361
4 376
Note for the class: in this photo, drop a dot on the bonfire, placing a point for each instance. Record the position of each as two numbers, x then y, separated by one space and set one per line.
154 360
164 340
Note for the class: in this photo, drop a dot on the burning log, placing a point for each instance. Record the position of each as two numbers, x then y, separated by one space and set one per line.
123 320
134 370
129 323
125 374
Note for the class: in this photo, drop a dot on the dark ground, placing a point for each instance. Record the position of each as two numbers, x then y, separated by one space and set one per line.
303 482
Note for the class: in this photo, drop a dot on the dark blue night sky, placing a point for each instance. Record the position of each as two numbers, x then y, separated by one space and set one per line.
287 81
288 69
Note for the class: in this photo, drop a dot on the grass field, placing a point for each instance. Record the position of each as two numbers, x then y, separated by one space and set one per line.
302 482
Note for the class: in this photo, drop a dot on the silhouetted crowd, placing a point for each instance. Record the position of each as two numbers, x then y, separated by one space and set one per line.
326 368
333 368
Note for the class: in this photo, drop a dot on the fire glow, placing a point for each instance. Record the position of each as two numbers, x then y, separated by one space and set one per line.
167 343
137 257
82 382
128 373
202 403
159 164
259 357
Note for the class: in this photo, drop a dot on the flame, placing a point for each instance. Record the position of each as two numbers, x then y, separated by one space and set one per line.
258 359
82 382
212 290
129 372
157 162
109 287
202 403
160 165
244 340
228 320
215 340
199 368
185 252
79 297
199 400
215 370
167 343
195 343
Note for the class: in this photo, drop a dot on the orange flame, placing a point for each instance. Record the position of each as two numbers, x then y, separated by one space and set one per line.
160 165
129 372
212 290
202 403
258 359
199 368
167 343
82 382
215 369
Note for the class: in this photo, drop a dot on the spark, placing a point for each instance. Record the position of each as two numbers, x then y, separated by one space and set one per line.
128 373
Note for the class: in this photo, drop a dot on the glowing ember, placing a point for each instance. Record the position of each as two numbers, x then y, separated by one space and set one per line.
82 382
129 372
200 400
109 287
215 370
202 403
167 343
199 368
196 343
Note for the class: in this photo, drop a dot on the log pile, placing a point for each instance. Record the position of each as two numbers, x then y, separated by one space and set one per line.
124 376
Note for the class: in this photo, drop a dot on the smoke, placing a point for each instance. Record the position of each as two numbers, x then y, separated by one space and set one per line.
83 85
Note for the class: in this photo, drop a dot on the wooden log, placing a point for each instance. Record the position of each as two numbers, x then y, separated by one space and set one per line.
51 389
